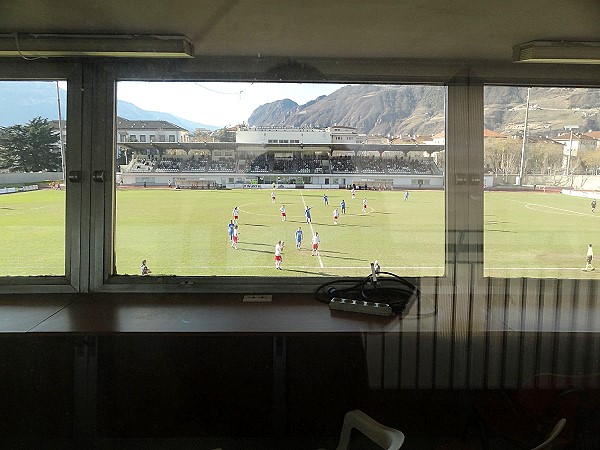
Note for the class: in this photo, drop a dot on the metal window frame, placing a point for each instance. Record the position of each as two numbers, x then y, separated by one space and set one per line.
227 69
77 215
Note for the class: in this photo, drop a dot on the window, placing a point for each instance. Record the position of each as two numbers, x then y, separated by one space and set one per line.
40 142
171 138
103 240
542 159
33 139
184 230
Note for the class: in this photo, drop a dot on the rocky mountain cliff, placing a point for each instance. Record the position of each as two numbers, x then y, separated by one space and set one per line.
415 109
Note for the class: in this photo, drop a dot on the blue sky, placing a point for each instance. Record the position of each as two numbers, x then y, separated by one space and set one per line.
217 104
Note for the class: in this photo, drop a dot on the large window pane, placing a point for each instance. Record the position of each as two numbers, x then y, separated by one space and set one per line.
196 151
541 189
32 190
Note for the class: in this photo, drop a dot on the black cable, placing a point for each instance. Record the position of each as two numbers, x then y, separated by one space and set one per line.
390 289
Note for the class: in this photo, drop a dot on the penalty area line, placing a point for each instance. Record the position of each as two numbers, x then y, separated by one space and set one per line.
562 210
366 268
533 268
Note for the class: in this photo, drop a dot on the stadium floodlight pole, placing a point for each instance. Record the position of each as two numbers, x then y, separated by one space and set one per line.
60 134
524 139
570 128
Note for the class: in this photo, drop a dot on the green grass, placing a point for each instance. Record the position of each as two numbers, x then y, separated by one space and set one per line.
32 233
538 235
185 232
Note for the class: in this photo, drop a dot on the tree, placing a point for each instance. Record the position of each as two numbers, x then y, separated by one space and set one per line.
201 135
224 135
544 158
32 147
502 155
590 124
591 159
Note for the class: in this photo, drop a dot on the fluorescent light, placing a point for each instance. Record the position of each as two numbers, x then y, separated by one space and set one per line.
65 45
561 52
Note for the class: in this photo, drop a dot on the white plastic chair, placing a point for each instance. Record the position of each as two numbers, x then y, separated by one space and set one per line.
387 438
553 434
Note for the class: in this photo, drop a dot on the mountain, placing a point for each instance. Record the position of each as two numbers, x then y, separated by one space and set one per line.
372 109
550 109
130 111
24 100
416 109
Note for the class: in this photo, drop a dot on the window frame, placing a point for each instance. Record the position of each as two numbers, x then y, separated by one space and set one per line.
209 70
536 83
76 215
91 118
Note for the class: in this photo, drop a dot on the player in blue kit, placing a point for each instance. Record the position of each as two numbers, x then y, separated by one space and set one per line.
298 237
231 226
307 213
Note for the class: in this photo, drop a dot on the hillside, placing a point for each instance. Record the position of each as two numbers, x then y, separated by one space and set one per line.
24 100
410 110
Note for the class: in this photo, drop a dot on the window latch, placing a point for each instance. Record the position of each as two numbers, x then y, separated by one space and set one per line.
75 176
98 176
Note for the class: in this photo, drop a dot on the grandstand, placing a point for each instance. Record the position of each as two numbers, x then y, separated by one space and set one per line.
291 160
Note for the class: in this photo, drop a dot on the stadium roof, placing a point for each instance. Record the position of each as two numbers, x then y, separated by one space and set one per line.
283 147
125 124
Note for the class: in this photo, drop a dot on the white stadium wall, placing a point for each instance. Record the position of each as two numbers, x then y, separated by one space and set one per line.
30 177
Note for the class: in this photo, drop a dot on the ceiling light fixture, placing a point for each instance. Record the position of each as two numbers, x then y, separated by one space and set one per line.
561 52
32 45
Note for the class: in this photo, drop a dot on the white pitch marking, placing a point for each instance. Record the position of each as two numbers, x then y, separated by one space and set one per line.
534 268
568 211
312 231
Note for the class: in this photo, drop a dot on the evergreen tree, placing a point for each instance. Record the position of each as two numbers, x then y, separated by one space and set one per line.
224 135
30 148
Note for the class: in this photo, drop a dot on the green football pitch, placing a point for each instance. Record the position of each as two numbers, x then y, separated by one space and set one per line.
185 232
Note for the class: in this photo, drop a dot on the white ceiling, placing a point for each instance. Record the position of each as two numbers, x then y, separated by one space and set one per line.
463 30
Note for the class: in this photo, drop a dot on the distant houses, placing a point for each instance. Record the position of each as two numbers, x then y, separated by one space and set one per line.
139 131
150 131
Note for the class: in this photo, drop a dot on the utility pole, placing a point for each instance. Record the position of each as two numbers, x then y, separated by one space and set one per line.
60 133
568 168
524 139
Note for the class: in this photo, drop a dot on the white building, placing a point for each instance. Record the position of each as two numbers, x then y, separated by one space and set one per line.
343 135
139 131
289 135
149 131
